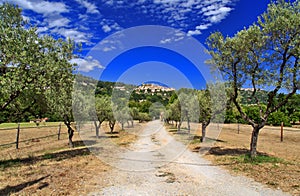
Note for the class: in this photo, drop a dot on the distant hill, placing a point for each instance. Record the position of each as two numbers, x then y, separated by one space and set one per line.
150 88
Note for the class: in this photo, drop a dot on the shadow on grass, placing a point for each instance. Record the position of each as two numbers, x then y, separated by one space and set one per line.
172 130
14 189
228 151
110 133
208 139
232 151
57 156
81 143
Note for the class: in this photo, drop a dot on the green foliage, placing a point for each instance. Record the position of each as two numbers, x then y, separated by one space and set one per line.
277 117
295 117
265 55
262 56
35 73
253 112
102 107
144 117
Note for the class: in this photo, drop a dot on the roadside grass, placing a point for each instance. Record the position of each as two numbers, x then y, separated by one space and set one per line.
276 164
27 124
259 159
49 167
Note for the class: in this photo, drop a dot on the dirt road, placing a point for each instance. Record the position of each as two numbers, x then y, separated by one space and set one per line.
156 164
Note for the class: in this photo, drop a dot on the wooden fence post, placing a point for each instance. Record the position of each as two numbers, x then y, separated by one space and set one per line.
17 136
238 128
58 134
281 133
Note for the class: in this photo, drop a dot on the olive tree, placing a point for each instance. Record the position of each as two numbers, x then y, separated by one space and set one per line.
263 56
102 111
34 66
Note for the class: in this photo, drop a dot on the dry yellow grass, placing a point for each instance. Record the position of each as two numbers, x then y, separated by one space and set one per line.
229 150
49 167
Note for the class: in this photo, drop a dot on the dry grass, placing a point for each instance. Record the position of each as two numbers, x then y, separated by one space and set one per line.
280 167
49 167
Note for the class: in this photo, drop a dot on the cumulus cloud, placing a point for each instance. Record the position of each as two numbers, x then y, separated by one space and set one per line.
108 48
177 13
109 25
57 21
203 26
165 41
74 34
42 29
26 18
87 64
42 7
193 32
90 7
106 28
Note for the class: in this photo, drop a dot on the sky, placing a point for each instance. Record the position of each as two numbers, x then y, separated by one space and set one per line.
143 40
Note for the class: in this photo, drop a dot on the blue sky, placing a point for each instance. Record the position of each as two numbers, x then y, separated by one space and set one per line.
92 22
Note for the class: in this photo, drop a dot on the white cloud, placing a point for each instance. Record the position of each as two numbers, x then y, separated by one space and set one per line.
90 7
57 21
26 18
222 10
193 32
42 7
109 25
107 49
74 34
203 26
42 29
109 2
51 12
86 64
165 41
166 1
216 16
106 28
177 13
83 17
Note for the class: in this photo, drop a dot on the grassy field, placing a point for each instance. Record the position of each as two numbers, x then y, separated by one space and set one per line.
48 166
26 124
277 165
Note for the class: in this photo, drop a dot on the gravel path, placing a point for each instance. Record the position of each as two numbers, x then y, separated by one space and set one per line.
156 164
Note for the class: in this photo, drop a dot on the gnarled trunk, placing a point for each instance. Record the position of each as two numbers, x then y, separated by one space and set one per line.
254 139
132 123
203 129
97 127
71 133
179 126
111 125
204 124
188 121
70 130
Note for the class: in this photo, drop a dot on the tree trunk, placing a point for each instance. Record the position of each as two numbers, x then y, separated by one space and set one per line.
122 126
97 127
203 138
253 143
131 123
70 130
111 126
188 122
179 126
71 133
